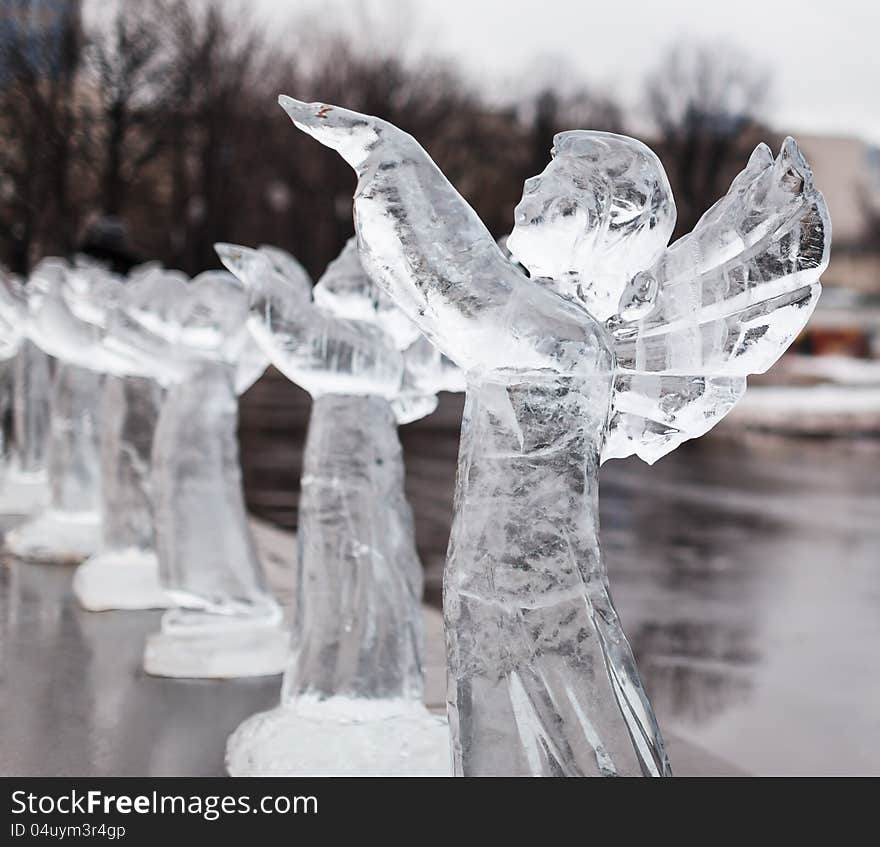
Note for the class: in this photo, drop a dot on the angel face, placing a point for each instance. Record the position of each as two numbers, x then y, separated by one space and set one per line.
600 212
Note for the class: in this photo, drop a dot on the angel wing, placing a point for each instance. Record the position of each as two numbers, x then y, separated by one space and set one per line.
722 302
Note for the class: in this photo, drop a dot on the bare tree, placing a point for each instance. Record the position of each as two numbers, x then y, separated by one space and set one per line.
704 101
129 72
40 127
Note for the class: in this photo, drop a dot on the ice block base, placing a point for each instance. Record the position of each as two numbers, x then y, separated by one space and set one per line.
120 579
54 536
221 649
341 737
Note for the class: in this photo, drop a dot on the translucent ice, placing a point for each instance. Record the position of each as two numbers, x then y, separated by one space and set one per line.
125 573
67 315
614 345
69 529
354 677
226 623
25 486
170 460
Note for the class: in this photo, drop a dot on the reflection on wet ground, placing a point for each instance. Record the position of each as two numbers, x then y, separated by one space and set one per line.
746 571
747 574
76 701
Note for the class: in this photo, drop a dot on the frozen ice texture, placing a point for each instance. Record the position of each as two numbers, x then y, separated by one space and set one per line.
69 529
24 406
358 621
226 622
129 410
31 383
68 315
354 671
614 344
13 305
125 573
170 458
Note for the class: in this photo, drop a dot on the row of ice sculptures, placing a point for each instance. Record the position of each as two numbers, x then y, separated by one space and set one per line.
585 338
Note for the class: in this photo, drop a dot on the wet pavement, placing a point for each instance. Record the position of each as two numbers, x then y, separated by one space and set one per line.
747 575
746 569
745 566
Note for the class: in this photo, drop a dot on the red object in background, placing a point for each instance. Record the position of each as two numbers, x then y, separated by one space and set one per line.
841 342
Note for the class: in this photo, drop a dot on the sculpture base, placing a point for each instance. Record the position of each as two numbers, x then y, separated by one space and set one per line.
341 737
218 648
54 536
120 579
21 494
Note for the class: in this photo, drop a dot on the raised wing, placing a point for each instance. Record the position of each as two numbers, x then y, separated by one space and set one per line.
722 302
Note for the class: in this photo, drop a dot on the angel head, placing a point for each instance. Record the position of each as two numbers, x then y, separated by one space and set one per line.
599 213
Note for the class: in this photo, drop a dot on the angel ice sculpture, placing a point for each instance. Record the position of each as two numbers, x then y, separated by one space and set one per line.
69 528
69 320
351 700
24 407
614 345
226 622
190 337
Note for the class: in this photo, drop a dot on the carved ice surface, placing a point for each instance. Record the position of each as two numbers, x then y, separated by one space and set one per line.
170 460
226 622
615 344
69 316
69 528
124 574
351 699
24 407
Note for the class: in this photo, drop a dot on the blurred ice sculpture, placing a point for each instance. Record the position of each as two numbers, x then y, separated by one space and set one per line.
69 319
351 701
614 345
12 308
24 407
125 573
191 338
69 528
226 623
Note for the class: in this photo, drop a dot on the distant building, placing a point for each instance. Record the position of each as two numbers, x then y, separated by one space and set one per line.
847 319
38 32
847 172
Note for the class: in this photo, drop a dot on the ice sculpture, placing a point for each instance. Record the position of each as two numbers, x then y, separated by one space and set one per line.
69 528
226 623
124 574
24 408
351 700
69 319
192 339
614 345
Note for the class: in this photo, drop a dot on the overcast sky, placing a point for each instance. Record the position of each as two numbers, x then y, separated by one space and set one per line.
823 57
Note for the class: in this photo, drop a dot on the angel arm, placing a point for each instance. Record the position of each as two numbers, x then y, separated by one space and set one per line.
427 248
722 302
55 328
311 347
